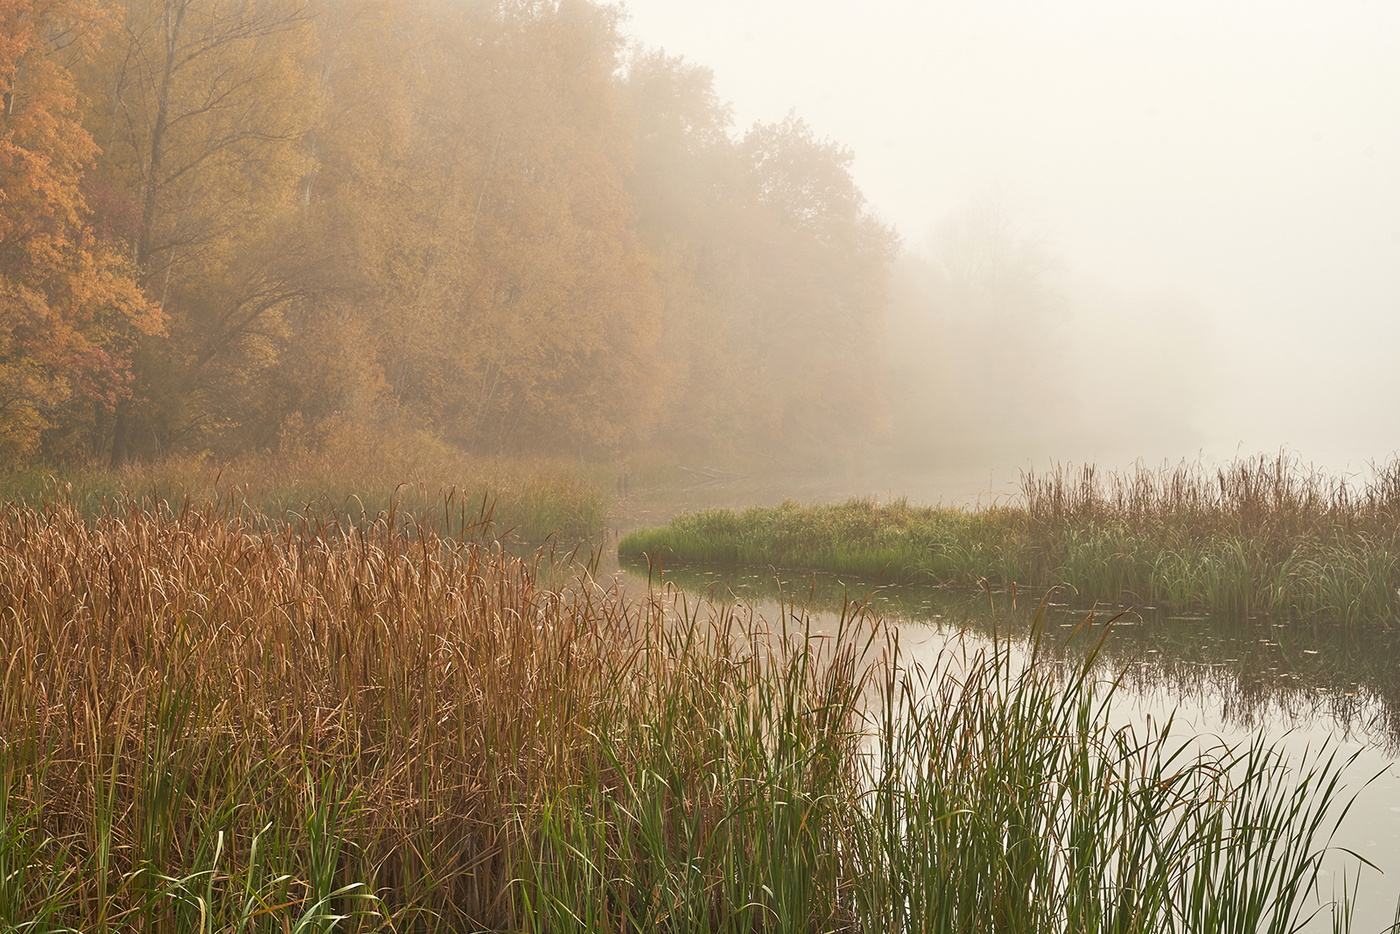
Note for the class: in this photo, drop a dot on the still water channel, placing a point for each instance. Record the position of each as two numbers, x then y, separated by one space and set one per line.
1301 685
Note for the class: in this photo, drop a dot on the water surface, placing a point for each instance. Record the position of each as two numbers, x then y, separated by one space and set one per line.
1304 686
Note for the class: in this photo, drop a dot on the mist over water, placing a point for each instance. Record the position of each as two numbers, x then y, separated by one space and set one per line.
1217 186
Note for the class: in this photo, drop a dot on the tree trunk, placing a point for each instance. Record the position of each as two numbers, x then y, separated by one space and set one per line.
121 436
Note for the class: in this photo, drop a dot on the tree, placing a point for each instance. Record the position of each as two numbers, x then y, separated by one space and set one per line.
467 218
815 268
983 379
772 272
995 262
69 306
558 319
484 196
685 184
202 111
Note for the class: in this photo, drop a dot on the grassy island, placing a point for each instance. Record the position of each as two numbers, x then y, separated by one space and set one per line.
1261 536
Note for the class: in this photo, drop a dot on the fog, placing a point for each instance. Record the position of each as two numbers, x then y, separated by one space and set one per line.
1212 191
768 238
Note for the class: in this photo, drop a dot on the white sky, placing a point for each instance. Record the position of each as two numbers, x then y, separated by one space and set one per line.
1245 155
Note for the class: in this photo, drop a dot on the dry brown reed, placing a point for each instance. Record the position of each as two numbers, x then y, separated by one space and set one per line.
1265 535
1277 496
173 676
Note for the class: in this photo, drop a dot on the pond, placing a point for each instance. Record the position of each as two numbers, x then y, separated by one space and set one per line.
1300 685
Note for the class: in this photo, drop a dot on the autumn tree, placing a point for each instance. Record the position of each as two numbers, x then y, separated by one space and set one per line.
201 109
819 270
975 339
69 306
993 291
686 184
497 267
560 295
475 220
772 268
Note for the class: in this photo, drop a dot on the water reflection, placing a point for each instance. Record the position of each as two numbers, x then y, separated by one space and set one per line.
1258 674
1302 685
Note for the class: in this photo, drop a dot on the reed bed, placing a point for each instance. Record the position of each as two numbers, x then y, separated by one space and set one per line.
1264 536
211 724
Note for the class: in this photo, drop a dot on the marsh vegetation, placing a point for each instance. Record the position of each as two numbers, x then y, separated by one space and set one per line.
1263 536
524 501
294 379
217 723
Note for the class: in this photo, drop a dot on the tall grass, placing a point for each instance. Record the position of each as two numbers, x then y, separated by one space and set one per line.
1005 799
1261 536
205 718
215 724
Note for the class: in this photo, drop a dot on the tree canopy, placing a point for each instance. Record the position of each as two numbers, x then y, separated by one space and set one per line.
231 222
70 304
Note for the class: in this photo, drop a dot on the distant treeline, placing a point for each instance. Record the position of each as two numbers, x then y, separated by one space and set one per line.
233 225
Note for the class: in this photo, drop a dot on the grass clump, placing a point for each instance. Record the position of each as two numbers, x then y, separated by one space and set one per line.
212 724
1261 536
1005 799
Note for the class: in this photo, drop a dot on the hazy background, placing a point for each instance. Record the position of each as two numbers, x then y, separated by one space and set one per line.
1212 191
920 240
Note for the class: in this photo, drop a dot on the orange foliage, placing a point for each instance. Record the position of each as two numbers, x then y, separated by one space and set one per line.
69 304
475 219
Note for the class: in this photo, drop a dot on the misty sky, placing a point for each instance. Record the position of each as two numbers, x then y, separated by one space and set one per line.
1237 164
